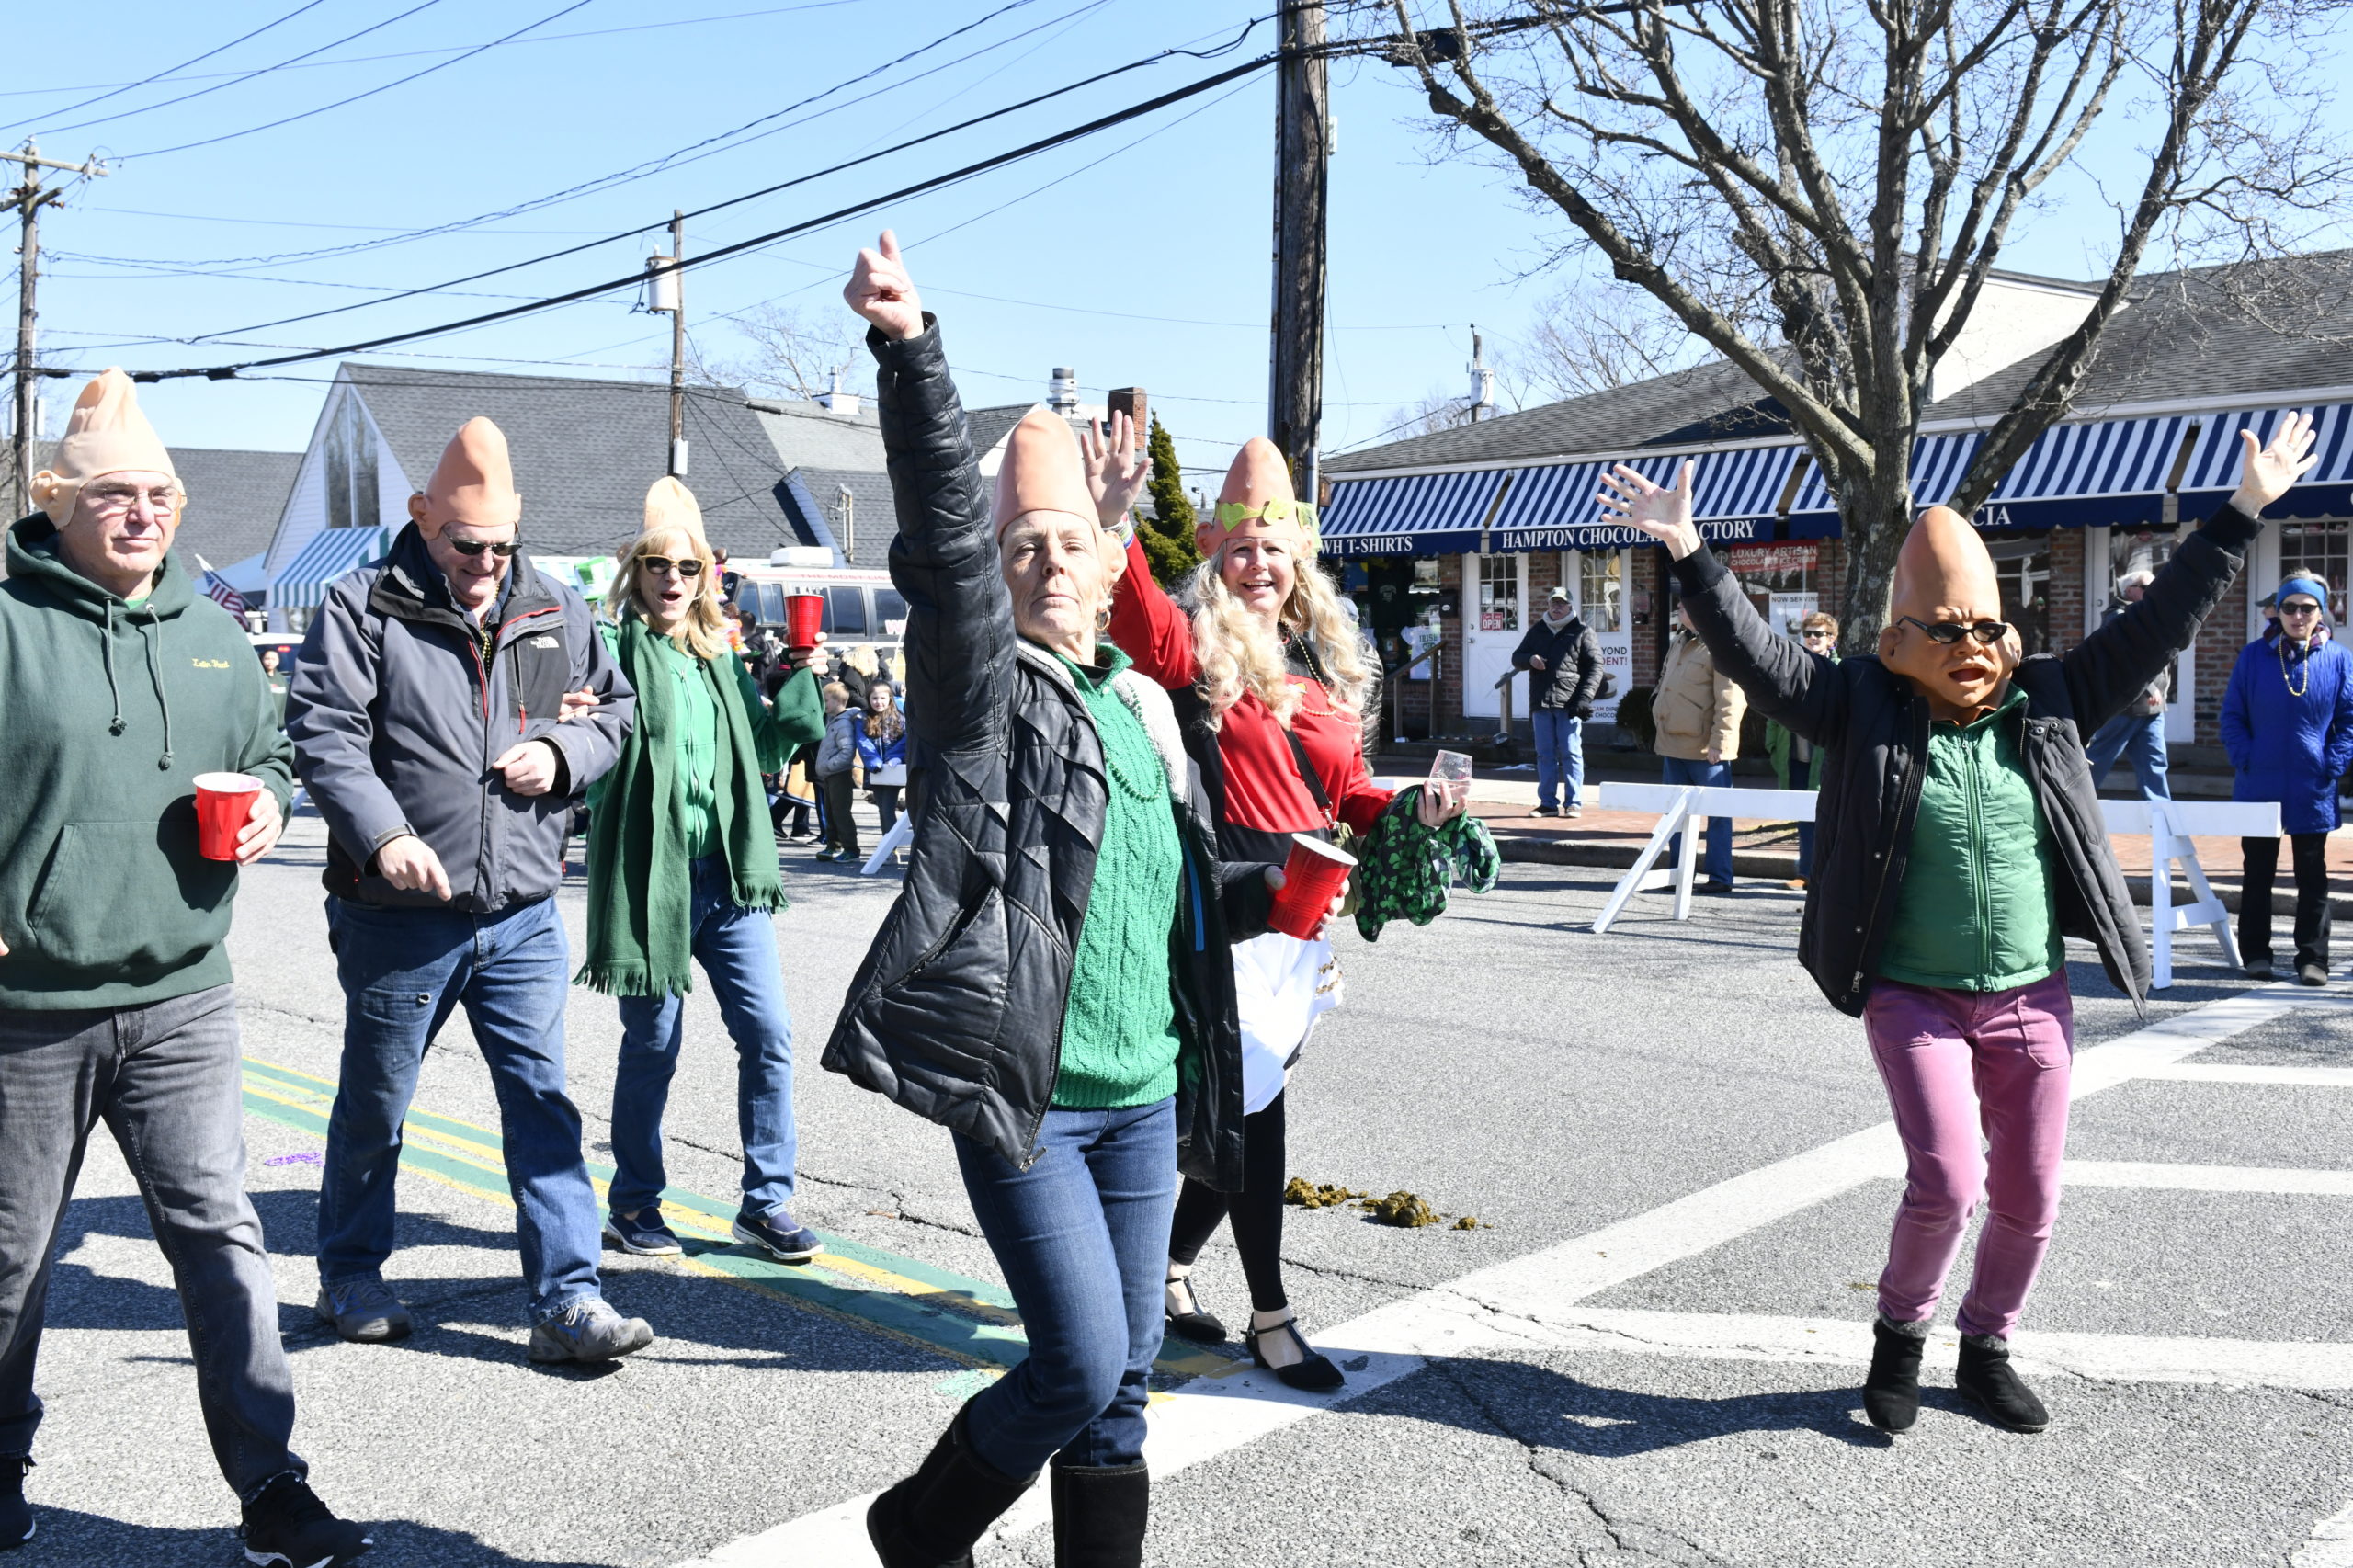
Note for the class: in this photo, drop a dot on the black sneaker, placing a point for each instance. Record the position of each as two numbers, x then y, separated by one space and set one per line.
16 1515
789 1240
1546 811
364 1312
642 1234
287 1527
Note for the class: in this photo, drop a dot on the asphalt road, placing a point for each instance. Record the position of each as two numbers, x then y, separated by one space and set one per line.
1689 1400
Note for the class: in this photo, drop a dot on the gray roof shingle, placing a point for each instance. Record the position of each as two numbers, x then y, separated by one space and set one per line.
585 452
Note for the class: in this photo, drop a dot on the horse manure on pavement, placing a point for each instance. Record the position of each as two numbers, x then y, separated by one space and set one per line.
1402 1208
1305 1194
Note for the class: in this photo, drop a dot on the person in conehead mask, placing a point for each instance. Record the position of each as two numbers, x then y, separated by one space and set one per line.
1961 841
426 717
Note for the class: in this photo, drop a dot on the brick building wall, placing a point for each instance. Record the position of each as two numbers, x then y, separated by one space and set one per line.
2219 642
2066 588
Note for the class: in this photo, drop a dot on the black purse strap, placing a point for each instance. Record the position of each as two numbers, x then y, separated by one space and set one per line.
1307 775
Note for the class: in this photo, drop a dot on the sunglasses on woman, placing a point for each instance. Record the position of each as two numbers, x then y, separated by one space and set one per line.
1945 633
687 567
471 549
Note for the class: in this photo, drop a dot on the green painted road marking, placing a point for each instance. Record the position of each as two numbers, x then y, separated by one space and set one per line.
965 1320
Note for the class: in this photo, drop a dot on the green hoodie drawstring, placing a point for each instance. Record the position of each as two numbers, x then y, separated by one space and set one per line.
106 651
154 650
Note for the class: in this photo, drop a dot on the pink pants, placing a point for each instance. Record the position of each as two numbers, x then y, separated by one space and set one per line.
1954 1061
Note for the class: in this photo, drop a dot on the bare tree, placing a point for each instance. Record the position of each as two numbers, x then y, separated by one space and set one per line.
1850 170
792 352
1433 412
1588 337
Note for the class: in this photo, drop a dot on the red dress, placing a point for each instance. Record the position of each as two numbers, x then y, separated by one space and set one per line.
1263 791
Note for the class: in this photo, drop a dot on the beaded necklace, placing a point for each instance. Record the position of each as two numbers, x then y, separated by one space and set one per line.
1296 646
2288 681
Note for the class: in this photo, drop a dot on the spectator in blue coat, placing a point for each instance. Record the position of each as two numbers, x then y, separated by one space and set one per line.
883 748
2288 726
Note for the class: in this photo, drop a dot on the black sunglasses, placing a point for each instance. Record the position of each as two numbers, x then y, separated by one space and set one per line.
471 549
686 566
1947 633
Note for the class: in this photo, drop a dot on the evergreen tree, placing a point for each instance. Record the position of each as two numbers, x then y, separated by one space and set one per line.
1167 534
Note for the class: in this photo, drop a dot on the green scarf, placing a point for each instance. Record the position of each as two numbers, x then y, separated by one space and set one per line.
640 892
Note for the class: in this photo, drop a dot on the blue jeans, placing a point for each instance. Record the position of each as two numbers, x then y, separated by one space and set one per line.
1686 770
165 1079
403 972
2144 737
1559 755
736 948
1082 1237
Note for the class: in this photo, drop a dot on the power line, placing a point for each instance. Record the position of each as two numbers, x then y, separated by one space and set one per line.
631 281
388 87
127 87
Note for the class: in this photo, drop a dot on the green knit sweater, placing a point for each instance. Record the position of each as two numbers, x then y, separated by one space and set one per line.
1119 1038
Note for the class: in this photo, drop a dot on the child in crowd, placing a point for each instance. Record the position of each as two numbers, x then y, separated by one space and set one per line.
836 757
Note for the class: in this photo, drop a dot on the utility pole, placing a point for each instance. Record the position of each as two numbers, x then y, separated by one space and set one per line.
666 291
1302 151
28 199
1482 379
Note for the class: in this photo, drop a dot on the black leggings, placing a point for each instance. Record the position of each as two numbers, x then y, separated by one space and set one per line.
1257 1211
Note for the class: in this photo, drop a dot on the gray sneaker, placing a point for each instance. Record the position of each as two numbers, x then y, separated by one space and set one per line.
364 1312
588 1330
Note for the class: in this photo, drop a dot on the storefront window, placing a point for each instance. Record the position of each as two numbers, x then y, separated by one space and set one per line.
1601 590
1779 579
2316 550
1498 593
2022 562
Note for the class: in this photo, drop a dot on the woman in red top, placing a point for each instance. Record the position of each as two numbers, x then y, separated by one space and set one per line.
1271 682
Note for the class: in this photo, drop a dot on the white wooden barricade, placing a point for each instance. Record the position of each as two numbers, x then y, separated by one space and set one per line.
2170 825
903 831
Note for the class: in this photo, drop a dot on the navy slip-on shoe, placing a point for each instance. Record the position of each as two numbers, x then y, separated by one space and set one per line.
783 1237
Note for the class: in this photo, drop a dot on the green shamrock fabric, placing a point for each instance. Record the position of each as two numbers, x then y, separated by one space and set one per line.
1405 869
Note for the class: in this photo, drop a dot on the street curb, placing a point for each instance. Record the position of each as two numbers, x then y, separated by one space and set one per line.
1780 866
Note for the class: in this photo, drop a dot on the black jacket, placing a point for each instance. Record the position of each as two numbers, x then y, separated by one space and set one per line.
1876 728
1571 672
956 1011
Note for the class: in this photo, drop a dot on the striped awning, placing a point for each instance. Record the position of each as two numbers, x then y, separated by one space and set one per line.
303 584
1423 514
2214 458
1739 494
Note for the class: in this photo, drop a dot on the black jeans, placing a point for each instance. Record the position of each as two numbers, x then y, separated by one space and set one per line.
1256 1211
841 830
2261 858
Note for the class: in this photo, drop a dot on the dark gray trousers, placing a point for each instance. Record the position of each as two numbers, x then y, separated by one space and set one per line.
164 1078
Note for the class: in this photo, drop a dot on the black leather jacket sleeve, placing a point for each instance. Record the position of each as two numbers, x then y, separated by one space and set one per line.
958 642
2115 664
1798 689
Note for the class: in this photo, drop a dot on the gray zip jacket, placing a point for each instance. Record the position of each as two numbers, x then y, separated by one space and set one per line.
400 704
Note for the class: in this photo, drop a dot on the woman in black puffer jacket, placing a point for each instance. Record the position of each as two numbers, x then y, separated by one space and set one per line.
1054 984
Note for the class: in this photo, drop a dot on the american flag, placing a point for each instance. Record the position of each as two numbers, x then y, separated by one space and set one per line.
216 588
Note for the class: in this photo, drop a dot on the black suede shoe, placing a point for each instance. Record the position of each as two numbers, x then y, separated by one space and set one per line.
1100 1512
1985 1376
16 1515
1313 1374
1892 1391
286 1526
1186 1319
932 1518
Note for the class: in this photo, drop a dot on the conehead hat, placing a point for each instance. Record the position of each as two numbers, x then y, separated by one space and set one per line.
1943 563
1258 499
474 485
106 434
1042 470
670 505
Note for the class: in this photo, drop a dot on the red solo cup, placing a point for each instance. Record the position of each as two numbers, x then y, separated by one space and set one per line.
805 617
1313 878
224 803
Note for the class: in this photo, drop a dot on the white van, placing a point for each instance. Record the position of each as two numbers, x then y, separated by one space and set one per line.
862 609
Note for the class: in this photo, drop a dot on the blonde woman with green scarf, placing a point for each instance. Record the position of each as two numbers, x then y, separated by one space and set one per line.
682 869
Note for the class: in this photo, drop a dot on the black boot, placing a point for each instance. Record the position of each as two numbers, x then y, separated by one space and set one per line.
1099 1514
1891 1391
1987 1377
932 1518
16 1518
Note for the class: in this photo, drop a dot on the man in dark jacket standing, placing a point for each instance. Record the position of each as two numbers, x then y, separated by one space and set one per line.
1961 841
424 717
1563 659
121 685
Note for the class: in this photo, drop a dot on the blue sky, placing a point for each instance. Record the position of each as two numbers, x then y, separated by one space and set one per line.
1140 256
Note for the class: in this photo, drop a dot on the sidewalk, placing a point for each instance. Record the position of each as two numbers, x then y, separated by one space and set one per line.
1767 851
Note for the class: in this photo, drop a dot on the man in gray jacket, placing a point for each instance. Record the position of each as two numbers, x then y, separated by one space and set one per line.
425 720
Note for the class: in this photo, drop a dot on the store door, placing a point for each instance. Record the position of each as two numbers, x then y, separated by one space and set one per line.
1493 623
1596 580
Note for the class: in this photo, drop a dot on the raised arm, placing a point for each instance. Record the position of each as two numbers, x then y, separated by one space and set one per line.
959 638
1149 627
2107 669
1786 683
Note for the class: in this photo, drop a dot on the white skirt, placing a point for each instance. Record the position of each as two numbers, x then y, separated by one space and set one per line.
1282 986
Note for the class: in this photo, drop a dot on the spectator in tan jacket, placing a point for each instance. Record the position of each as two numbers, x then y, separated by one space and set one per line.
1698 712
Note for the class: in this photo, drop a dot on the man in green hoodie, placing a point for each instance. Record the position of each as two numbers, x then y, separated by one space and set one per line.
120 685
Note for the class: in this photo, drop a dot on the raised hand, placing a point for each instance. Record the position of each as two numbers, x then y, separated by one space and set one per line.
879 290
1662 513
2271 471
1116 470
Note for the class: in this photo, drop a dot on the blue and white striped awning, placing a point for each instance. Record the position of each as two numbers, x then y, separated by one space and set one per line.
2215 456
1423 514
1937 464
303 584
1739 494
